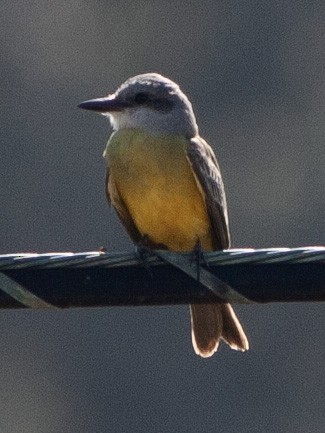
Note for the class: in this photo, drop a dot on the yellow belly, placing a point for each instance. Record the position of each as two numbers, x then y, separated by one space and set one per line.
156 183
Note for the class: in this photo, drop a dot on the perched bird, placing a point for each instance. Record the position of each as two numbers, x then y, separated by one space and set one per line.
165 184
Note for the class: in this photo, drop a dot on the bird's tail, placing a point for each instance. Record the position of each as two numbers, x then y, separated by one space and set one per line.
213 322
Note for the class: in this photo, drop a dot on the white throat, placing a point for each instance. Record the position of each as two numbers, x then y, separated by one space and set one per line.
175 122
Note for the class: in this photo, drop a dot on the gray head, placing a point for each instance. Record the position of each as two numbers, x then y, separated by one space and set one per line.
150 102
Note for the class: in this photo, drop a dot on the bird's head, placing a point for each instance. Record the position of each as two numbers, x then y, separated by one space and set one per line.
148 102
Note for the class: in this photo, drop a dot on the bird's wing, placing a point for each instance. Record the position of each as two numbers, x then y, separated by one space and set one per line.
207 174
114 198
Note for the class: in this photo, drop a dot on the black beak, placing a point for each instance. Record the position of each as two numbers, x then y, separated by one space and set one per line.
103 105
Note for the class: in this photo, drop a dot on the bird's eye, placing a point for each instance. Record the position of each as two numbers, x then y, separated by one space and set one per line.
141 98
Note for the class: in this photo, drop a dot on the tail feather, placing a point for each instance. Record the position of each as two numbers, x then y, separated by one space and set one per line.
206 322
213 322
232 331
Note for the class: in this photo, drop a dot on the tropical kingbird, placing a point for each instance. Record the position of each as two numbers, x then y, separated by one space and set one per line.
165 184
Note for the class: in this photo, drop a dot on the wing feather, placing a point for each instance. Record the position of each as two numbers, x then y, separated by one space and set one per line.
114 198
207 173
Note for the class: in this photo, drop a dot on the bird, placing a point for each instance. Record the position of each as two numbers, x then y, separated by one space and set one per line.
165 184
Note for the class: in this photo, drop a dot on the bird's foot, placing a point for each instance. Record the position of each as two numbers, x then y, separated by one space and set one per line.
198 258
144 252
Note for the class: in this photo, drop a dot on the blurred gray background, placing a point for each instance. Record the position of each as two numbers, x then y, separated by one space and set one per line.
254 71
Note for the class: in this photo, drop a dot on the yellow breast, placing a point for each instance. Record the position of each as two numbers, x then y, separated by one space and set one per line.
156 182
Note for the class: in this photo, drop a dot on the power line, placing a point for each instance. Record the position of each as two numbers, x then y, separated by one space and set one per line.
63 280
